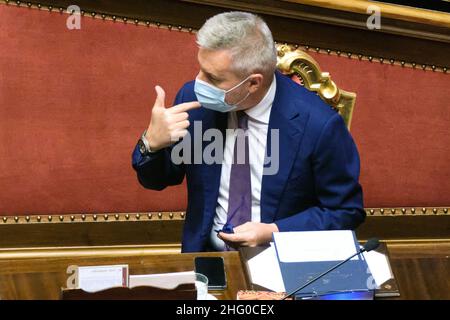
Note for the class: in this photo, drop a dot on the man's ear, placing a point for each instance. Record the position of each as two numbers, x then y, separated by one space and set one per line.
256 82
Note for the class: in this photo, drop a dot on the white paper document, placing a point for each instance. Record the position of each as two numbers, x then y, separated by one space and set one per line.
97 278
162 280
379 267
265 270
314 246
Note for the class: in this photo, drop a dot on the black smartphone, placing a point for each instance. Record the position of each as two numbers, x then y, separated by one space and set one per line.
214 269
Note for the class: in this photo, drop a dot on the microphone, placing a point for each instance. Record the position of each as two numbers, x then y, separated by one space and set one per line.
370 245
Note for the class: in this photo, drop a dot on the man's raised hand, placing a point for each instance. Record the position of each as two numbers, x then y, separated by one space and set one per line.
168 125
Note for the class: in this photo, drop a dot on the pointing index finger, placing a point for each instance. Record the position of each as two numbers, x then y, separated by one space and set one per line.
183 107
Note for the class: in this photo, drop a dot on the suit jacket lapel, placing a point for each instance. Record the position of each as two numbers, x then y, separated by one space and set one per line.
290 120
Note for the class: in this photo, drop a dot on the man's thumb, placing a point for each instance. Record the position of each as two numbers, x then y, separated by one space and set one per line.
160 97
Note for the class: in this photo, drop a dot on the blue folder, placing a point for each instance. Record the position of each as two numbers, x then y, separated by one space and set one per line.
352 276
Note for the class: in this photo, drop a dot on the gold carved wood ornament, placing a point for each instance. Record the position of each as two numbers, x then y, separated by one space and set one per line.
303 68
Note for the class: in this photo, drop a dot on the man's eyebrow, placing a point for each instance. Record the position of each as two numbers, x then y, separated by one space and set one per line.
210 75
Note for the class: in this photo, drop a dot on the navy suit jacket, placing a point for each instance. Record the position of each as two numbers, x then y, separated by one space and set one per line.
316 187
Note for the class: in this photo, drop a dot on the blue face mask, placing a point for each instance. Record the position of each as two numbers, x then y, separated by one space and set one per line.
213 98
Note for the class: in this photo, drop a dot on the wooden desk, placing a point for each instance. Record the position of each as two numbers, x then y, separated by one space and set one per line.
422 278
43 279
421 273
422 269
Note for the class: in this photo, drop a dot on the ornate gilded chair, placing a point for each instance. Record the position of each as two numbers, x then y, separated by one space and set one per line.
303 69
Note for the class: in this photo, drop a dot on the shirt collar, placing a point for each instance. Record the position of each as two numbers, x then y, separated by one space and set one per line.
261 112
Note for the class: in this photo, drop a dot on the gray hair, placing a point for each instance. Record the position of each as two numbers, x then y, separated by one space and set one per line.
247 37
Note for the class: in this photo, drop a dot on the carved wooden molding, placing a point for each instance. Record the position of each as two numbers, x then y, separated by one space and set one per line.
388 10
396 19
93 217
293 61
180 215
405 211
96 251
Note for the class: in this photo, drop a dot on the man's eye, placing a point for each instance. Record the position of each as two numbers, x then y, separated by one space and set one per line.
213 79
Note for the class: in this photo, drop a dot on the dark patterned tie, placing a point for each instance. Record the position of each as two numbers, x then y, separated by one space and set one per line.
240 192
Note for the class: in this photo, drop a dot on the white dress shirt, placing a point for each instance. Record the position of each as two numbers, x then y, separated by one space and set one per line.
258 121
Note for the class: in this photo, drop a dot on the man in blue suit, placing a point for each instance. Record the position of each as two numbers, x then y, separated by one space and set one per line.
286 159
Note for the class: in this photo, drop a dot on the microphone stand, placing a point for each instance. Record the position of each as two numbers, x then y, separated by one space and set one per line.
322 274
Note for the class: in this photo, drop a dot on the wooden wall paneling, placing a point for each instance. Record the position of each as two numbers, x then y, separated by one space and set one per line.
163 230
